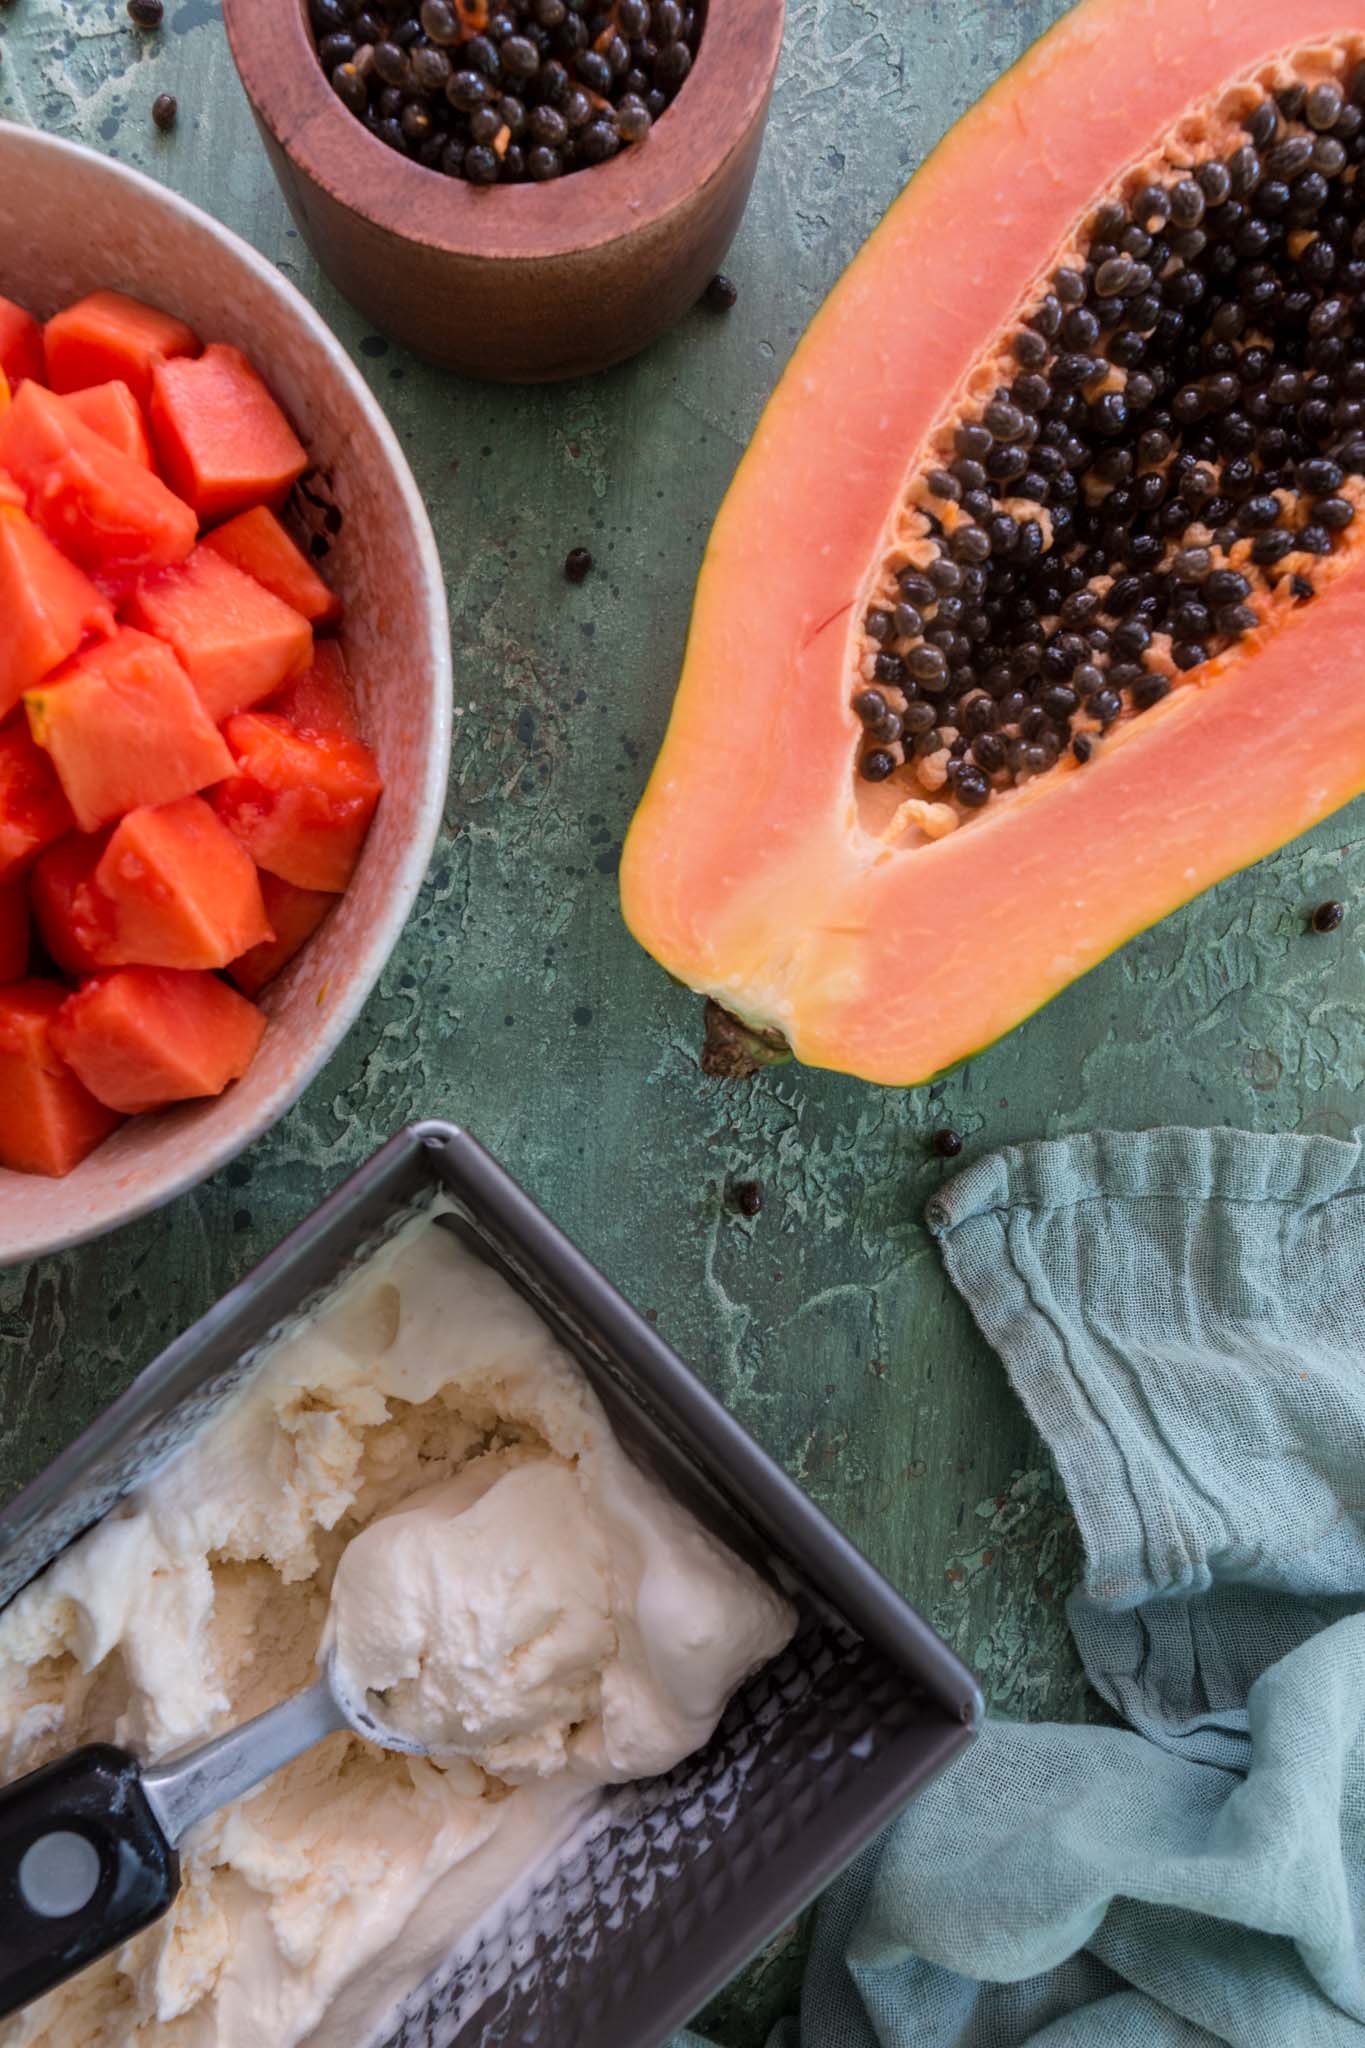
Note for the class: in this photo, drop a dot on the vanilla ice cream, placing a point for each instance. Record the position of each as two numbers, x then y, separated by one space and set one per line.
422 1482
481 1613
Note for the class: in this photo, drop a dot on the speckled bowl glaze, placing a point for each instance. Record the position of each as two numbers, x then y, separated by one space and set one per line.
71 221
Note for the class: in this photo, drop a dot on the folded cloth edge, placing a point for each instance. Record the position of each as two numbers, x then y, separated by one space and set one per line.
1223 1164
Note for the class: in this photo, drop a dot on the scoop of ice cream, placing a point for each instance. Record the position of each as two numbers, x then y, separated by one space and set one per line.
480 1615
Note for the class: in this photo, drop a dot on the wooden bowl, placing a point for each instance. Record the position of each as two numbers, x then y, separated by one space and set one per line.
71 221
520 283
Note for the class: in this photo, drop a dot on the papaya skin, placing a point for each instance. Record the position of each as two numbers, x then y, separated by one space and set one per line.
748 872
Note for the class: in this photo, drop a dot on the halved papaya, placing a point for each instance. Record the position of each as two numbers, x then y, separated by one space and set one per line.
47 606
113 412
100 506
1036 605
21 344
301 803
294 915
223 441
236 641
143 1037
124 728
33 811
256 542
51 1120
109 335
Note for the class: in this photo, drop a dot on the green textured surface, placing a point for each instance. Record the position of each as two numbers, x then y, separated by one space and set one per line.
518 1004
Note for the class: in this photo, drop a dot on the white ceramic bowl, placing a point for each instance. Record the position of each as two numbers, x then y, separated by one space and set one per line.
71 221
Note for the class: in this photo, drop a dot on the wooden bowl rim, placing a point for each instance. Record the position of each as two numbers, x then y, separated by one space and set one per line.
272 45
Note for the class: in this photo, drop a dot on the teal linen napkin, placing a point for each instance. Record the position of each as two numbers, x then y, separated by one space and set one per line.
1183 1315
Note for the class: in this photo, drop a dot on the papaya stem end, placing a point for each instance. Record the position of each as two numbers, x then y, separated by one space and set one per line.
735 1051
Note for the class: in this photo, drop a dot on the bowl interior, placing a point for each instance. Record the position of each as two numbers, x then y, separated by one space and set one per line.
71 221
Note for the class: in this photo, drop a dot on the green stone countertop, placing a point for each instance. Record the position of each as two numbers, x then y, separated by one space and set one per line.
518 1004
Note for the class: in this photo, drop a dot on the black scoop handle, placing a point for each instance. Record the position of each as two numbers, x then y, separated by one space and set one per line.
83 1865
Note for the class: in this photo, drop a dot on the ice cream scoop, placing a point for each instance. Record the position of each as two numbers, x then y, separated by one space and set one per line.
477 1618
88 1842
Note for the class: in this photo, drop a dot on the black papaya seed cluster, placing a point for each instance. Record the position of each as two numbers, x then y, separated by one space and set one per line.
1177 446
502 92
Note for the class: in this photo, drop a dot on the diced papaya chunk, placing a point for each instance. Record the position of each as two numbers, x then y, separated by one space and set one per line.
21 344
101 507
183 891
295 915
115 415
222 441
10 493
235 641
75 920
256 542
13 932
142 1037
5 393
124 727
47 606
320 698
165 887
300 803
33 811
109 335
48 1120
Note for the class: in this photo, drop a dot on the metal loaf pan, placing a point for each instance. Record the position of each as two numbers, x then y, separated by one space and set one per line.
628 1932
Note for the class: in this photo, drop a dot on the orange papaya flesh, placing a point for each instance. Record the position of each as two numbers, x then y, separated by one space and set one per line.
235 641
890 918
181 890
320 699
100 506
294 915
112 412
75 919
124 728
49 1121
107 336
222 440
10 493
301 803
14 925
47 606
142 1037
33 811
256 542
21 344
6 394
